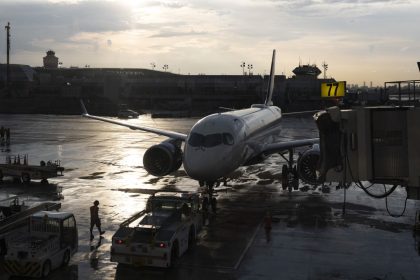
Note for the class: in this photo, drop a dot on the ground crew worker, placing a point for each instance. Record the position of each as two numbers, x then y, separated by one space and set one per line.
267 225
94 219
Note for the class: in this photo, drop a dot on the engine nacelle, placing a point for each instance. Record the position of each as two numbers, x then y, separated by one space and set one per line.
307 166
164 158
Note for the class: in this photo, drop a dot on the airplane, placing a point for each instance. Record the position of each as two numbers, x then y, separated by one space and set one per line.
220 143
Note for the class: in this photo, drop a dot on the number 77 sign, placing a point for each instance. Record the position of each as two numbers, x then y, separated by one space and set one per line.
334 89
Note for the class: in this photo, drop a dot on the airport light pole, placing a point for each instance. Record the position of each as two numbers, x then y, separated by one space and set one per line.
7 27
418 65
325 66
250 69
243 68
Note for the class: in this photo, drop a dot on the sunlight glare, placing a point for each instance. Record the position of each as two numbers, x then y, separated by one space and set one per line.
133 4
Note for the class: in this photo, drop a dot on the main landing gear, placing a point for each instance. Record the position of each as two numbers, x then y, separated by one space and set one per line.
289 174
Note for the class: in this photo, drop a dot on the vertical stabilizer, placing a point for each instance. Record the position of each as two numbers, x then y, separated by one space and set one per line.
269 95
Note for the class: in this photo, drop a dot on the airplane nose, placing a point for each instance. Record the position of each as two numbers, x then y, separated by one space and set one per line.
204 165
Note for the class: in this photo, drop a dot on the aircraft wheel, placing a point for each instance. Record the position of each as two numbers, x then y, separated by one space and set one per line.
44 181
284 176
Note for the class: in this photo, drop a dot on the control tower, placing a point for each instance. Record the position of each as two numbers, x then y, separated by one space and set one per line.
307 71
50 61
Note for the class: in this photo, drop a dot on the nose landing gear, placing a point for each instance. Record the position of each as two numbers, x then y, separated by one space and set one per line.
211 199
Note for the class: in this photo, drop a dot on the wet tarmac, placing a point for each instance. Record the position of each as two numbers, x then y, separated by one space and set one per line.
310 238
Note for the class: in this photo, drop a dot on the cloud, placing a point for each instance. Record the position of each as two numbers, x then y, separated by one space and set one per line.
174 33
173 4
168 4
336 8
84 16
34 22
296 3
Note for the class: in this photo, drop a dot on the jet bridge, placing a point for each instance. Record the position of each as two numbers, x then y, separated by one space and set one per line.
376 144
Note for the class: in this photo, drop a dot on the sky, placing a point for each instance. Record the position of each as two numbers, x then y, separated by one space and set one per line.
360 40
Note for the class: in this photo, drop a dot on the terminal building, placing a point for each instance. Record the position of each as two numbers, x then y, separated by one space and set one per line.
50 89
21 80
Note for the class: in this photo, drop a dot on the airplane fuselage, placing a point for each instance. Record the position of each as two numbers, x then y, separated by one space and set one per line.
220 143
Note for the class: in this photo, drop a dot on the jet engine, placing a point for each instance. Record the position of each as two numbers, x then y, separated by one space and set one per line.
164 158
307 166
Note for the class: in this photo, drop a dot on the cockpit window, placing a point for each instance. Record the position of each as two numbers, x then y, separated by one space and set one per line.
210 140
196 139
227 139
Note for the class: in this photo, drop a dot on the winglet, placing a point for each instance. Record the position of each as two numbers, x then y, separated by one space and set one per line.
270 89
85 112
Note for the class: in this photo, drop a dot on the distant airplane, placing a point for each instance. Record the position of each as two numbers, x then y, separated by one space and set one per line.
220 143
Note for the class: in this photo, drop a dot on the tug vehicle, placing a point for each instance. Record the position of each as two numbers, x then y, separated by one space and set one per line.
14 219
51 241
162 233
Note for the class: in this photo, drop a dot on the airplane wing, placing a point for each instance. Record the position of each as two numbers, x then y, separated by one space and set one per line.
300 113
167 133
282 146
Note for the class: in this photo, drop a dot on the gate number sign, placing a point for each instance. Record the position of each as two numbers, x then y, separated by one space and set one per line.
336 89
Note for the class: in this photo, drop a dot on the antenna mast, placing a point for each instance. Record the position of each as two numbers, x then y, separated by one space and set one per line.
7 27
325 66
